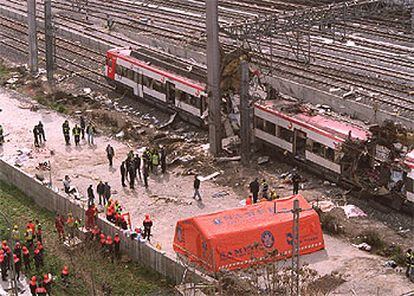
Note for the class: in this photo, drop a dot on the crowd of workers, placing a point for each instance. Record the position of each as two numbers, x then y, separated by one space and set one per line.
409 262
28 250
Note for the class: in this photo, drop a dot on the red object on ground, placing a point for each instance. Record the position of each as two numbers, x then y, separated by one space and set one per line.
236 238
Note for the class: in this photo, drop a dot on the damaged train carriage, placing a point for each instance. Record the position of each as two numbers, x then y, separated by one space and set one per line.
373 159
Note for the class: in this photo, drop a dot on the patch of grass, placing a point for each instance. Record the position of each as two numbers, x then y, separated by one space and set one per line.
86 264
372 238
330 224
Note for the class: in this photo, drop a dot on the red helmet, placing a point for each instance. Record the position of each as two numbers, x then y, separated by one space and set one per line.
102 236
65 270
37 251
33 281
25 250
15 258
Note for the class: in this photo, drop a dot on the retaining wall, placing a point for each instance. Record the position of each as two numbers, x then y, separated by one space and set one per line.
142 253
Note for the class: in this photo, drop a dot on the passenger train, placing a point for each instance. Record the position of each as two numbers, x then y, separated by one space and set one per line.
127 69
313 139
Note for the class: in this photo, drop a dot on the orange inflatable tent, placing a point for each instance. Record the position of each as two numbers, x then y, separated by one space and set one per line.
237 238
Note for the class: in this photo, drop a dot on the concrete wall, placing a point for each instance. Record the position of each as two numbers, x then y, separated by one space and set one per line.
142 253
337 103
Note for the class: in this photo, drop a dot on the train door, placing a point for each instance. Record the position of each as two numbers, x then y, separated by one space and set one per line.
299 144
170 91
138 80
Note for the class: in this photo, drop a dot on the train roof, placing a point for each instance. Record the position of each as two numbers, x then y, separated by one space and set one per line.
165 66
308 117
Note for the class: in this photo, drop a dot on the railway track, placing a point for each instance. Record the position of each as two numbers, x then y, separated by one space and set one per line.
335 65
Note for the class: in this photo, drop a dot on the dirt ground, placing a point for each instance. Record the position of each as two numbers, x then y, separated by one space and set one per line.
86 165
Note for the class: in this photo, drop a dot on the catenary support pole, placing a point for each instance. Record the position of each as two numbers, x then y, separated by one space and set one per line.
32 35
244 113
49 43
295 288
213 73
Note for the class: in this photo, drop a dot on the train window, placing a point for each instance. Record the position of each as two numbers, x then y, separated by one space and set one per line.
330 154
270 128
158 86
136 78
130 74
118 70
259 123
409 185
146 81
285 134
318 149
124 71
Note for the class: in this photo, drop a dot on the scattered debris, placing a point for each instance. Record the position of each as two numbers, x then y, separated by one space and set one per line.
87 90
211 176
390 263
352 211
121 134
363 247
170 121
262 160
225 159
325 205
220 194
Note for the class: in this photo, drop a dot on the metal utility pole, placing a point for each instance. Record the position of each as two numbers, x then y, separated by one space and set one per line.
213 74
244 113
49 43
32 33
295 289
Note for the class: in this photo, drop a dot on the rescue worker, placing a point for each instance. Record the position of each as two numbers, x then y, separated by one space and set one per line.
37 259
409 262
39 233
82 127
90 214
17 265
265 189
33 285
29 237
66 132
26 259
36 136
47 283
249 200
110 247
295 181
1 135
137 166
41 291
41 252
145 175
110 153
60 226
41 130
102 241
132 176
15 233
107 193
155 161
90 132
65 276
70 222
273 195
18 250
100 189
91 196
147 223
117 245
76 131
254 189
110 213
123 173
32 226
196 186
3 266
163 156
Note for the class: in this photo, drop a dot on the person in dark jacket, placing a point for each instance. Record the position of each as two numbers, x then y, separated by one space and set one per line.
82 127
147 223
91 196
295 181
163 156
123 173
110 153
76 131
254 189
196 186
145 175
41 130
137 166
132 175
36 136
100 189
66 132
107 192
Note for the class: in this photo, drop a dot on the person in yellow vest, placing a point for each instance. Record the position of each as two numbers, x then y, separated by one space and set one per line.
76 131
28 236
274 195
16 233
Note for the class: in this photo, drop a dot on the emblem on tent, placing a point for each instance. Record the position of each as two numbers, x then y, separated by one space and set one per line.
268 239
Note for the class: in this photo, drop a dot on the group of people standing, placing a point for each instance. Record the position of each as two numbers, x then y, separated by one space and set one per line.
255 188
39 134
78 132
